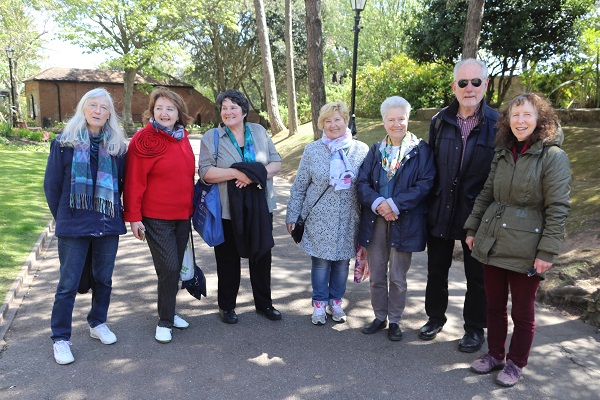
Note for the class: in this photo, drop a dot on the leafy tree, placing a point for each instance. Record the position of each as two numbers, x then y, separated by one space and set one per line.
18 31
289 67
223 46
137 30
267 63
314 61
514 33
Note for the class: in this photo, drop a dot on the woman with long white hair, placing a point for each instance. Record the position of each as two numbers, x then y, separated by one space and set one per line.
83 185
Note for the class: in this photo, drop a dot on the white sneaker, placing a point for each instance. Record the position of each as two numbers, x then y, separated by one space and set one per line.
336 312
163 335
103 333
319 316
179 322
62 352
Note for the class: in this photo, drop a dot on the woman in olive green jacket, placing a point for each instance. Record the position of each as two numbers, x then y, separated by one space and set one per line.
516 227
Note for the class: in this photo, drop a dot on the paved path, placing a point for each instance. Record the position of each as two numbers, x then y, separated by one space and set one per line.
257 358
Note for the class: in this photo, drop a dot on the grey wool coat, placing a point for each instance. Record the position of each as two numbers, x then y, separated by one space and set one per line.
332 226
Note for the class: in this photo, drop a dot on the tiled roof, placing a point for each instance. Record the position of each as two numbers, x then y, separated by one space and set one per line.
98 76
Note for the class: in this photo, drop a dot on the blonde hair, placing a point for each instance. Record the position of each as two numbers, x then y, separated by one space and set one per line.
328 109
75 132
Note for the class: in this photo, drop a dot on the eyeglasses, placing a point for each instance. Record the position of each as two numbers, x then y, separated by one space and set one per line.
462 83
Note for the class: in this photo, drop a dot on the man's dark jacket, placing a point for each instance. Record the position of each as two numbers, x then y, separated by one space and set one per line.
250 217
456 188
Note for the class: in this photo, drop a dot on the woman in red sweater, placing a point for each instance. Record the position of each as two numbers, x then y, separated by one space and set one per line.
158 195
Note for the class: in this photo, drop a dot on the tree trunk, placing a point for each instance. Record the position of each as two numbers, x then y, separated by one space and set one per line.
314 61
269 76
128 82
473 28
289 66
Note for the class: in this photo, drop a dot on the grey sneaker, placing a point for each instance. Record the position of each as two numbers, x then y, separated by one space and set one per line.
336 312
62 352
510 375
486 364
103 333
319 316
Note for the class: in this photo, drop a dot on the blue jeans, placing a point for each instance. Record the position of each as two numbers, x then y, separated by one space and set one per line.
72 253
328 279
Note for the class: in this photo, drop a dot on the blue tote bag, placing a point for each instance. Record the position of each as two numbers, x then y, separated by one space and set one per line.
207 208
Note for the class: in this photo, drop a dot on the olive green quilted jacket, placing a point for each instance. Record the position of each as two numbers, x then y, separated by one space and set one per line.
521 212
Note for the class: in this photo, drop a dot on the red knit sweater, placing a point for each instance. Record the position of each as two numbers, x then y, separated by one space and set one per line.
159 177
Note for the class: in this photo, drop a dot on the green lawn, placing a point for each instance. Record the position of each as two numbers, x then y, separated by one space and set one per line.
23 210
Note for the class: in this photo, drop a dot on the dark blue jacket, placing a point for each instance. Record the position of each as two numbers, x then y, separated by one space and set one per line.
57 186
456 187
411 185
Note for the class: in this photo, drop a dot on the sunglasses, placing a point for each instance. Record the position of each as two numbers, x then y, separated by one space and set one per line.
462 83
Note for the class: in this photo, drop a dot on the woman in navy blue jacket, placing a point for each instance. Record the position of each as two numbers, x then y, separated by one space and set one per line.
83 185
393 184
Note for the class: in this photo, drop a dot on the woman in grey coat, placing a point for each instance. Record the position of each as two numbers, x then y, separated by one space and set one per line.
328 167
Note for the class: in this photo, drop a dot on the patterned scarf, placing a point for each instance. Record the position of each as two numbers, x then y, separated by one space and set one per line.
392 155
340 169
84 195
248 155
177 132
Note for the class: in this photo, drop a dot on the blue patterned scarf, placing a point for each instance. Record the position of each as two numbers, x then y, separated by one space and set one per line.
177 132
340 169
84 195
248 155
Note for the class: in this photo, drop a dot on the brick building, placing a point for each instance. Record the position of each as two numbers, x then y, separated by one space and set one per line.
53 94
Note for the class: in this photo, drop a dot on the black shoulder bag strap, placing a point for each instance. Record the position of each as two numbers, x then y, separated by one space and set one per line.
313 206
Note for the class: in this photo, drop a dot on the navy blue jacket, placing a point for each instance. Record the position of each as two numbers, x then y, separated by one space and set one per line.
456 187
57 186
411 185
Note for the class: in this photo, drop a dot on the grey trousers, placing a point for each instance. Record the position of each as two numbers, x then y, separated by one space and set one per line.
388 303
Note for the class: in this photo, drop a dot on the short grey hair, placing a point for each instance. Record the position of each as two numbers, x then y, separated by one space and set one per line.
482 65
395 102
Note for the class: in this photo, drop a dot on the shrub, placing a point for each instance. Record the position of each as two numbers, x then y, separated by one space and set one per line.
423 85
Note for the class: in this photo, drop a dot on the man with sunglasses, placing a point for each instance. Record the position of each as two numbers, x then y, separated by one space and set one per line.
462 139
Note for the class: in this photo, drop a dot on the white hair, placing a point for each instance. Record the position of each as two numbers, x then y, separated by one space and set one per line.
395 102
482 65
75 131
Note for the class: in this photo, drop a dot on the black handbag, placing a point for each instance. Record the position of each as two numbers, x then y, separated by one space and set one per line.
298 230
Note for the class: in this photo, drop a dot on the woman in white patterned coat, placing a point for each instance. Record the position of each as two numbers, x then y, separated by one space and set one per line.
328 167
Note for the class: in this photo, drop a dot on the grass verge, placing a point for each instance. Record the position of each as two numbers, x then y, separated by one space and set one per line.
24 213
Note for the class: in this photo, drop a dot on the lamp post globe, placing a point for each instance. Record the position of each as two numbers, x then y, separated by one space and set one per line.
357 7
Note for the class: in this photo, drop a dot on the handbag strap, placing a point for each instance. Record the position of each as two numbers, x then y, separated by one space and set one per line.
216 141
192 244
313 206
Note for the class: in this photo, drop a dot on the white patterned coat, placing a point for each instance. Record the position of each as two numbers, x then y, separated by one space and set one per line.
332 226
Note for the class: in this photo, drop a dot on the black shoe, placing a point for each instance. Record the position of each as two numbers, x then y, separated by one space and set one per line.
471 342
229 317
270 312
430 330
394 333
374 326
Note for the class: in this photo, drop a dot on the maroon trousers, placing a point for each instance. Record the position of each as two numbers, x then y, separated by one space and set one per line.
498 283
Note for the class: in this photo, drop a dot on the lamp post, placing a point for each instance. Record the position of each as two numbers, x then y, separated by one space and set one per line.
9 54
357 7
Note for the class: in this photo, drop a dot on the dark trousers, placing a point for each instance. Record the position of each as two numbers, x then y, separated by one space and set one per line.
439 254
229 272
498 283
167 240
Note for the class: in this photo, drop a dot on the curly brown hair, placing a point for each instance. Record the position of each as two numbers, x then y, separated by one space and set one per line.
547 120
183 114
